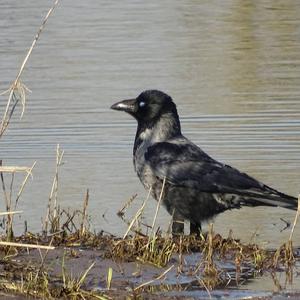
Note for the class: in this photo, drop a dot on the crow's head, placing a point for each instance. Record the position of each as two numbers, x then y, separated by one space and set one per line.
149 106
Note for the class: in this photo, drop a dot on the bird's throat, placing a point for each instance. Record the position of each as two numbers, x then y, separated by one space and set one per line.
164 129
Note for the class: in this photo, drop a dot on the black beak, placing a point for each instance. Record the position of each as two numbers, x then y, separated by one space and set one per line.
125 105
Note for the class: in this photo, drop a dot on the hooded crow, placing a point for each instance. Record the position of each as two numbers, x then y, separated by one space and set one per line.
197 187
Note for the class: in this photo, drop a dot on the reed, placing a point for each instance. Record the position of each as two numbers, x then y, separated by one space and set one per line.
83 228
137 215
285 253
17 91
11 202
53 210
158 206
10 213
295 220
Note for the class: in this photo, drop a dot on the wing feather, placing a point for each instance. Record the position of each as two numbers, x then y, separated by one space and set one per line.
186 165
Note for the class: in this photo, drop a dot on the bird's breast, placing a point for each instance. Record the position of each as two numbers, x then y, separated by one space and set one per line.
142 169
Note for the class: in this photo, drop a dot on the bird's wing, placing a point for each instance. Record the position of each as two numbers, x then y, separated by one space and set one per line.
186 165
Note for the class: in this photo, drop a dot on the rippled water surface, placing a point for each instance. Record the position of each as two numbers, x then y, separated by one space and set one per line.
232 67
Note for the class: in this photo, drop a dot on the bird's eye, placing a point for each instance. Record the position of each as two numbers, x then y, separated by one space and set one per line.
142 104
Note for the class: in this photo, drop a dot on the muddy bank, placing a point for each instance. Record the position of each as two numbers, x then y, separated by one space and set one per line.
102 267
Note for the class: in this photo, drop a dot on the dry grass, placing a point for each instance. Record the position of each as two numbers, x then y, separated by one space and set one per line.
17 91
158 252
52 219
11 203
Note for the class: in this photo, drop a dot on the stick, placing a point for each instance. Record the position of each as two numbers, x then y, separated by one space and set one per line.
12 169
11 213
26 245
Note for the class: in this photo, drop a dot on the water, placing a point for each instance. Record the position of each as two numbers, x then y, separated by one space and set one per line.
232 67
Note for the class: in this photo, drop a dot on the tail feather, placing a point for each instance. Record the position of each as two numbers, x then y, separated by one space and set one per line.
270 197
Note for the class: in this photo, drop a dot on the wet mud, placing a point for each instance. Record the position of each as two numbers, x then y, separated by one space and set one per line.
193 271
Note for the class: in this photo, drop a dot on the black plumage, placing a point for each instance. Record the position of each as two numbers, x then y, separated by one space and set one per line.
197 187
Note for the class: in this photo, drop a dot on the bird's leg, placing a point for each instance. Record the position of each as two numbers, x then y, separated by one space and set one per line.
195 228
177 224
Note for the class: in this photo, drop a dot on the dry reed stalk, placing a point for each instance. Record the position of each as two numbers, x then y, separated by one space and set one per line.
43 258
8 195
52 209
202 283
29 172
138 214
12 244
152 280
54 189
7 199
13 169
285 251
209 251
127 204
157 207
17 91
295 220
84 214
11 213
